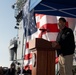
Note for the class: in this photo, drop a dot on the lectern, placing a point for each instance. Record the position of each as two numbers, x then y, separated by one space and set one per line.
43 59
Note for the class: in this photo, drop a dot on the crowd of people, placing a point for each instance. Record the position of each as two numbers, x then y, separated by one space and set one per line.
13 71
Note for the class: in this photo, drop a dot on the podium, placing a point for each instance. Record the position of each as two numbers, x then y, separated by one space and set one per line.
43 57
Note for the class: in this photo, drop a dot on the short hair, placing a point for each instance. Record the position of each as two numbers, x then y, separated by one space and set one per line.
63 19
13 64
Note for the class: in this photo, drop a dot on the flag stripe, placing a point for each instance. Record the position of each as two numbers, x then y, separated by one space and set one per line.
28 62
26 67
44 20
28 56
50 27
50 36
27 45
39 15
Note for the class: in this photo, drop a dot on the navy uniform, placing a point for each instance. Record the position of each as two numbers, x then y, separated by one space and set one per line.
65 39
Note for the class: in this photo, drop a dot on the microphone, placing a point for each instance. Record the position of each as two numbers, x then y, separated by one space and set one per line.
43 30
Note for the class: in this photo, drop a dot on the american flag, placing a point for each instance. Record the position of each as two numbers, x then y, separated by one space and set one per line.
42 22
30 29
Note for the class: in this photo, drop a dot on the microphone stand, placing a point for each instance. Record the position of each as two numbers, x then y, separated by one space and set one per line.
43 31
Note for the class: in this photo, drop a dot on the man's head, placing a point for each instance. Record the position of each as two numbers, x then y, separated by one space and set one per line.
12 65
62 23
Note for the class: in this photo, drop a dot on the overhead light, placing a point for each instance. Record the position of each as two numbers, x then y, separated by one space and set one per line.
16 27
13 6
19 63
17 24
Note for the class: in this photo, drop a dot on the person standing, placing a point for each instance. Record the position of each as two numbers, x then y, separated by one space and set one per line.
66 41
12 70
1 71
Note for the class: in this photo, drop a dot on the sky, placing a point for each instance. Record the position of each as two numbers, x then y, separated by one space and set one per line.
7 31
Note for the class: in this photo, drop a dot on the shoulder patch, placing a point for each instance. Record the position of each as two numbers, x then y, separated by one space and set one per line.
68 33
